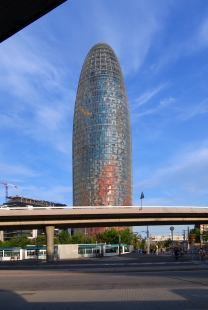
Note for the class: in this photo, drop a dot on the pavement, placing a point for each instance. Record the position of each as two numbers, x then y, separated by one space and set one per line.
130 282
132 262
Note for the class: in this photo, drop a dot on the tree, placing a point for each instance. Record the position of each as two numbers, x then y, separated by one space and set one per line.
126 235
142 244
136 240
78 238
111 236
56 240
166 243
90 240
196 232
19 242
100 237
4 243
14 241
64 237
23 241
205 235
41 239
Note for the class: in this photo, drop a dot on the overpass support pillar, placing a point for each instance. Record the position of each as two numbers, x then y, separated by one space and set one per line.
50 243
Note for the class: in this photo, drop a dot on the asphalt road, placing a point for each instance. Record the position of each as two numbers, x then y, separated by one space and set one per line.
63 290
131 260
59 288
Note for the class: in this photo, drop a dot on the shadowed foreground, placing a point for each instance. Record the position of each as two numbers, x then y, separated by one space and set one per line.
55 289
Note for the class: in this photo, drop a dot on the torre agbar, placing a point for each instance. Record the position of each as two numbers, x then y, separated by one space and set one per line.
102 156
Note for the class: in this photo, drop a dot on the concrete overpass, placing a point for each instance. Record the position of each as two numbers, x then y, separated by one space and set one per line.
49 218
30 218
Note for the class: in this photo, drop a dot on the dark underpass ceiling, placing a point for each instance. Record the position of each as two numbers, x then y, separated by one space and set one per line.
17 14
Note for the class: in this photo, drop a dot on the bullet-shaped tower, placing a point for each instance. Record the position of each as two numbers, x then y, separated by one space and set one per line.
102 156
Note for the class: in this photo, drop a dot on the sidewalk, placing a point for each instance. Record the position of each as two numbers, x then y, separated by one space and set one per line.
114 264
123 264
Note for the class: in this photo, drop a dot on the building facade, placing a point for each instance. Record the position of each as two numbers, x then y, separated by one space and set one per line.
102 155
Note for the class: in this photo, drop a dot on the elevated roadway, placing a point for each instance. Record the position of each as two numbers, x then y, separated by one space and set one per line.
29 218
49 218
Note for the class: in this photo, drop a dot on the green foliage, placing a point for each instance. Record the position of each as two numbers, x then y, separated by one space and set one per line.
14 241
136 240
89 240
4 243
41 239
112 236
78 238
99 237
196 232
205 235
166 243
56 240
108 236
142 244
20 242
126 235
23 241
64 237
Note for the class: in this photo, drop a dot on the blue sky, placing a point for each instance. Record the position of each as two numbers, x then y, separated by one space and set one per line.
162 47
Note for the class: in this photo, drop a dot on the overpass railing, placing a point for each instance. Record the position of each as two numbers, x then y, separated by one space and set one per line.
31 207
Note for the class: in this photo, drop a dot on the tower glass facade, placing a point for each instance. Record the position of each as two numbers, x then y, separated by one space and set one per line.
102 156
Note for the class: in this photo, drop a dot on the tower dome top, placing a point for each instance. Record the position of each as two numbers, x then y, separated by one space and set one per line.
101 45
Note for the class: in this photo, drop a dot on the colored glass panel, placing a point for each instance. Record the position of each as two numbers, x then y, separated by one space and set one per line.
102 164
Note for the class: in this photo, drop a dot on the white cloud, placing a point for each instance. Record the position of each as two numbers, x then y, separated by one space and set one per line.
146 96
129 29
56 193
192 110
159 105
188 170
16 169
202 36
167 101
40 105
186 44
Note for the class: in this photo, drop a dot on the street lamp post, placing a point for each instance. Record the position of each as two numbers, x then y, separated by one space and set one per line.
188 245
85 233
172 229
37 245
148 245
141 197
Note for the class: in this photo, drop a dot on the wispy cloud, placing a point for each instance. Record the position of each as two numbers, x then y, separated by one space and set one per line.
57 193
202 35
192 110
128 29
16 170
42 98
167 101
146 96
186 44
187 171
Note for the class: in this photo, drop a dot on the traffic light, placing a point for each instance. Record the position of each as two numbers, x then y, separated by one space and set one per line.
191 238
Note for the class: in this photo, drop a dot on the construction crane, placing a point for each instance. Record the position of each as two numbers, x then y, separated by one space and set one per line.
6 185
